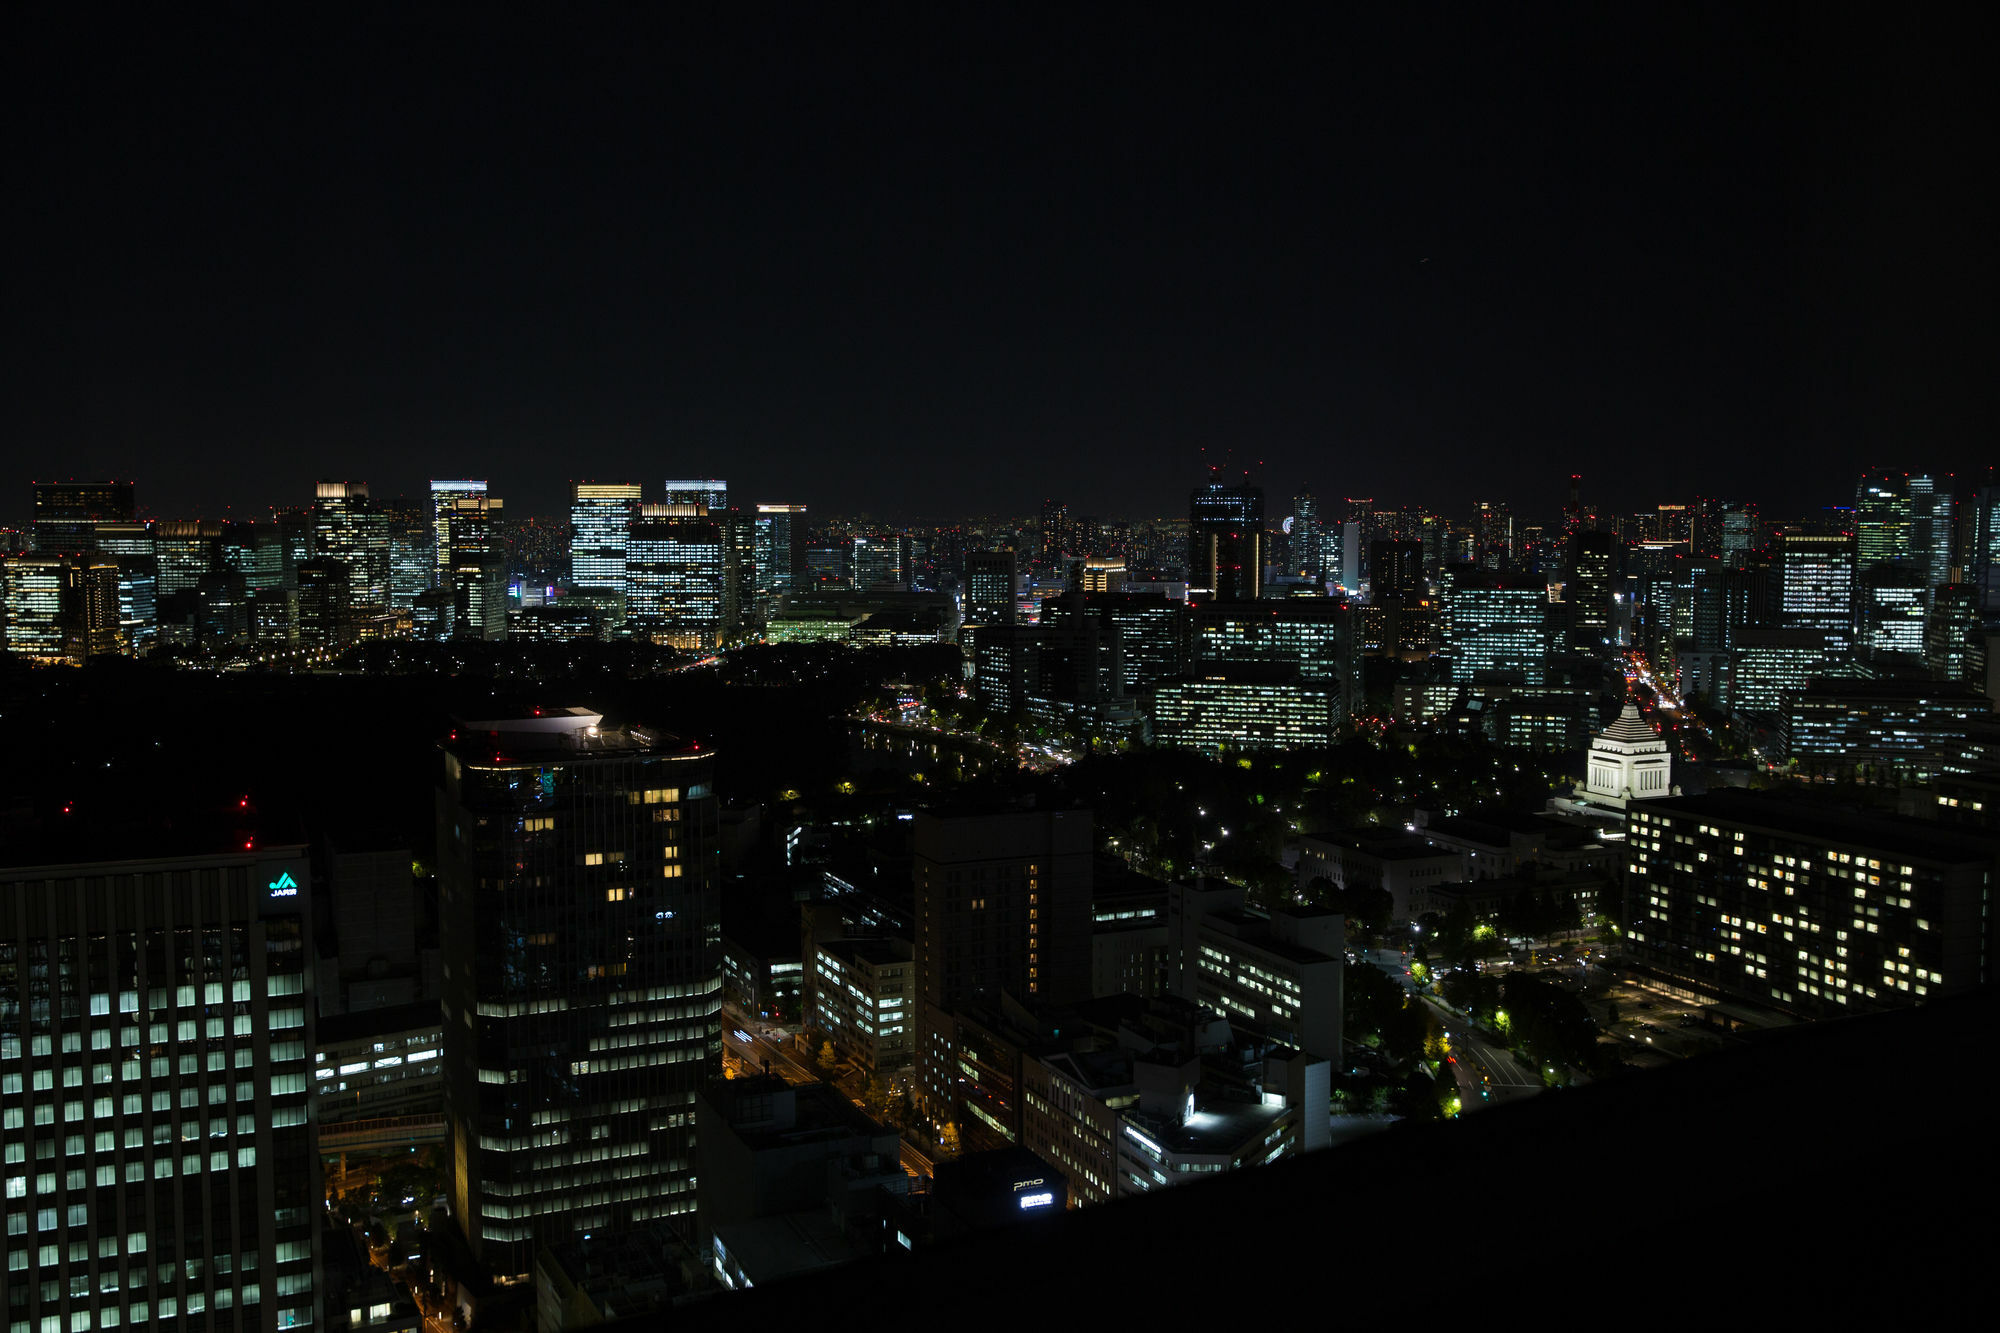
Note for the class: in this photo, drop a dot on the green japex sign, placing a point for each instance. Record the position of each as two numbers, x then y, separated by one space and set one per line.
284 886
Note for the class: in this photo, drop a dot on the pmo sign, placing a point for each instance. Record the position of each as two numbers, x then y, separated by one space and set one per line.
1039 1199
284 886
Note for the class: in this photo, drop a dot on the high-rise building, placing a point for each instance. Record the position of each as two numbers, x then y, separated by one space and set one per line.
1308 534
676 575
991 585
156 1047
67 513
600 516
445 496
711 494
1882 519
1226 539
1892 605
1933 526
476 576
1817 586
1002 905
1595 579
780 554
1395 569
1498 624
1739 534
185 549
412 561
347 527
1954 639
61 608
1493 536
583 975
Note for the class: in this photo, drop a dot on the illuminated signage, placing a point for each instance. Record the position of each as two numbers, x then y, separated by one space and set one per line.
1020 1185
1037 1200
284 886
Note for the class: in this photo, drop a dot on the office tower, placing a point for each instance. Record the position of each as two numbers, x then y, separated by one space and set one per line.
36 588
1882 519
1954 639
991 584
1595 580
1705 528
1739 534
1578 516
675 576
1350 557
1816 586
254 553
600 515
1101 573
1226 539
583 976
1756 898
1893 604
1982 555
738 531
412 558
1308 534
780 554
1395 569
711 495
155 1054
347 527
325 604
130 546
67 513
445 496
1772 664
1493 536
1496 624
476 572
1055 531
1152 632
1933 520
881 560
185 549
1002 905
1255 711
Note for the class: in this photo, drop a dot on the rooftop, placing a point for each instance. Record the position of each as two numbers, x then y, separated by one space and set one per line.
1917 839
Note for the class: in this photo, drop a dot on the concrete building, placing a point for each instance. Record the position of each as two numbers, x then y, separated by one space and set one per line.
1400 864
1807 909
864 998
1278 973
156 1035
1002 909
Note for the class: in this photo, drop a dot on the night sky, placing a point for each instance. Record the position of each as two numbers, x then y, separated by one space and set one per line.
930 263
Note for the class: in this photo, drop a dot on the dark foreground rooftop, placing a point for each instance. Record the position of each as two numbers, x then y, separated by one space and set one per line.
1832 1167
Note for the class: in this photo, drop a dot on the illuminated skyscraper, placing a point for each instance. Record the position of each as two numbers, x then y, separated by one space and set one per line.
477 576
348 528
1308 536
67 513
583 975
1816 587
780 553
711 494
1881 519
600 523
1497 624
675 575
1226 539
445 496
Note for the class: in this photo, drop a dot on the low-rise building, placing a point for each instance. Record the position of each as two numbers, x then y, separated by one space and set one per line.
1400 864
1279 972
864 999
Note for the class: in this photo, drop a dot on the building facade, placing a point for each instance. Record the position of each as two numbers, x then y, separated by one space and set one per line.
155 1067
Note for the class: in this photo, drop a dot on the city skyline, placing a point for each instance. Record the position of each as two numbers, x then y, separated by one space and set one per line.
853 260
